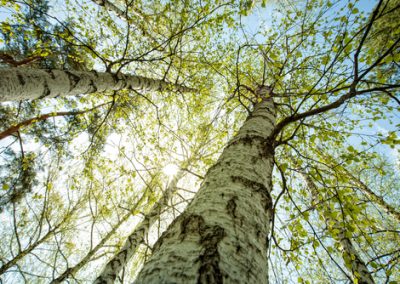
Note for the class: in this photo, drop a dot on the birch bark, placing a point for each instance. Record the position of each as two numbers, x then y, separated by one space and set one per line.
24 83
222 236
71 271
137 18
112 7
351 257
113 268
390 210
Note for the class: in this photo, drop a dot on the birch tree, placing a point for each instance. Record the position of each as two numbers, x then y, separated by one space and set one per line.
214 263
22 84
307 76
355 264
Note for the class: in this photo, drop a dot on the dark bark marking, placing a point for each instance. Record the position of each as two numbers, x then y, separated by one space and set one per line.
21 79
231 207
257 187
46 91
168 233
120 77
115 78
93 86
209 271
50 72
192 224
268 147
246 140
73 80
210 236
238 248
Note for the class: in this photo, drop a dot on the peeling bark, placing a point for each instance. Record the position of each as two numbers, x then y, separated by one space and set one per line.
24 83
222 236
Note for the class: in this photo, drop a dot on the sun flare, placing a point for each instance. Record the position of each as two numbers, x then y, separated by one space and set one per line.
170 170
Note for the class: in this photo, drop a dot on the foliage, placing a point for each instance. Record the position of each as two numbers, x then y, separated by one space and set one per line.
92 172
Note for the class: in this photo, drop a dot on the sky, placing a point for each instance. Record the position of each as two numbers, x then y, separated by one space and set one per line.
250 24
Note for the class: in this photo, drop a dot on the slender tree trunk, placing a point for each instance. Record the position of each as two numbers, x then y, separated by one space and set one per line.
42 240
111 7
353 260
25 252
15 128
137 19
71 271
351 257
137 237
24 83
390 210
222 236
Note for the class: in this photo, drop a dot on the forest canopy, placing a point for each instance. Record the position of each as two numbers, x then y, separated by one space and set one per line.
199 141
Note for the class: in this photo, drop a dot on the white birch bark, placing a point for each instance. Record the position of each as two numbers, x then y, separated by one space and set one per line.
25 83
387 208
136 19
222 236
71 271
351 257
113 268
112 7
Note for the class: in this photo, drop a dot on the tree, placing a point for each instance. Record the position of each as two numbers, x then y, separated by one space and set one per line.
306 91
29 40
351 257
20 84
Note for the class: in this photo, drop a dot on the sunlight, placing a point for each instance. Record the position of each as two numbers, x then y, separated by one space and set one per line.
170 170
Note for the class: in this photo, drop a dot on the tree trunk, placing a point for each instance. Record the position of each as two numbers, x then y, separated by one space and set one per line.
222 236
137 19
25 252
31 247
351 257
110 6
137 237
390 210
353 260
15 128
24 83
71 271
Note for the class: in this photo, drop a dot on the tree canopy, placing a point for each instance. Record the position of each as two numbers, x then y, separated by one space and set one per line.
154 91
